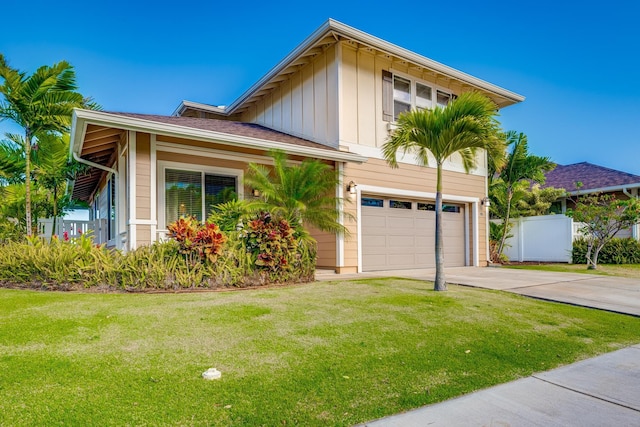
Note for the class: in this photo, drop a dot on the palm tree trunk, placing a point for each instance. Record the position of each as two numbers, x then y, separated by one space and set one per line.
440 284
505 227
27 179
55 206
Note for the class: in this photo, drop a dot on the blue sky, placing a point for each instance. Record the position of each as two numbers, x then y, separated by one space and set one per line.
577 66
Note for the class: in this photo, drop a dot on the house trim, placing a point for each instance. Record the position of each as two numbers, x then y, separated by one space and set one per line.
153 187
82 117
132 222
162 165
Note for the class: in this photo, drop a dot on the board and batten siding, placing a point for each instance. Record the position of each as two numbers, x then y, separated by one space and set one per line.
304 105
377 173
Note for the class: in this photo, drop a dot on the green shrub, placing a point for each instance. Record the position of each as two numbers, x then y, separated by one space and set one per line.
199 256
617 251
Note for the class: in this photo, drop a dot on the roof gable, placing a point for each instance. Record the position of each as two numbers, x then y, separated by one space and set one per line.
332 32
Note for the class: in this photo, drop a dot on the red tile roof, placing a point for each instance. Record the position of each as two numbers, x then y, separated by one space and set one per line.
591 176
250 130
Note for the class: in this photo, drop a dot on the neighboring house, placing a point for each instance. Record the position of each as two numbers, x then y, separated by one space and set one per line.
335 98
586 178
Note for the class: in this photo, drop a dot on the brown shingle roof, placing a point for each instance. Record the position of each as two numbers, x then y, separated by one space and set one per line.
250 130
591 176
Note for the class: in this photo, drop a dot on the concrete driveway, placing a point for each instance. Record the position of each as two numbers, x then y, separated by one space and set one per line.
602 391
618 294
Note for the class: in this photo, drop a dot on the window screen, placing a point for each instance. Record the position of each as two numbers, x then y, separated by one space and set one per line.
183 194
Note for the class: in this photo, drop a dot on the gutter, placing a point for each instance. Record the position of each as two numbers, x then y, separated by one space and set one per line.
94 165
141 125
624 188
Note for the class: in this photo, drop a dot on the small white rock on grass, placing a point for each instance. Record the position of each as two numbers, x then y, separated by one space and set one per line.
212 374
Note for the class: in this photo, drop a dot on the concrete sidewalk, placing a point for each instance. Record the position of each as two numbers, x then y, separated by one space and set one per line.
602 391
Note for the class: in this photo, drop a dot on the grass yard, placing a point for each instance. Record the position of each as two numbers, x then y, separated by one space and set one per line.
327 353
620 270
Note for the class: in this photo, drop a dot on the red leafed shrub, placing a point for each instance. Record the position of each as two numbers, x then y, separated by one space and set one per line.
209 241
197 241
272 242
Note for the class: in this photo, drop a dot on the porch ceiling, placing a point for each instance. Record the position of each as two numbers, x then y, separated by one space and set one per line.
100 146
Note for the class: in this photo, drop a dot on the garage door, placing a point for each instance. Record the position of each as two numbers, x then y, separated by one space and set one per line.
400 234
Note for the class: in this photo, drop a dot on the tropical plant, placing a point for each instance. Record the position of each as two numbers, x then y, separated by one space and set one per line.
602 217
39 103
303 194
462 127
514 179
538 201
197 242
11 160
232 215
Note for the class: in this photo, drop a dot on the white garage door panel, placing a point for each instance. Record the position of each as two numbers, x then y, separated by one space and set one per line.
405 238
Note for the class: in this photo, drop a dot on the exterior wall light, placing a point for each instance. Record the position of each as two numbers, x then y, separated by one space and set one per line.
486 202
351 187
255 192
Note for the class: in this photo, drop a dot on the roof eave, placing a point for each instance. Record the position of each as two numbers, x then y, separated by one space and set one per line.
609 189
337 27
83 117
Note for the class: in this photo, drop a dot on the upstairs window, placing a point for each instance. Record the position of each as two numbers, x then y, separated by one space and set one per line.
400 94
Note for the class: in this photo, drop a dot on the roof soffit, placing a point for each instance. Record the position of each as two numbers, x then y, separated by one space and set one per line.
332 32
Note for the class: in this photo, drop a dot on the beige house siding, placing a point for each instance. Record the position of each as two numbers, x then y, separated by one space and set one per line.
361 84
303 105
326 241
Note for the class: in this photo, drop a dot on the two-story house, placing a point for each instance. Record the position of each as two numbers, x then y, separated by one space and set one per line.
335 97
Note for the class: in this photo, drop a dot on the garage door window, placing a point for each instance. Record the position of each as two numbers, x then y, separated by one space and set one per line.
398 204
373 203
432 207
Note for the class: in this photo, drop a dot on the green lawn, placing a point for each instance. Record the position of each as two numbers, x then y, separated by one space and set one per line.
621 270
329 353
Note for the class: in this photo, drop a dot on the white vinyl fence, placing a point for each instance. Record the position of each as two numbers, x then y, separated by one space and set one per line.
547 238
73 228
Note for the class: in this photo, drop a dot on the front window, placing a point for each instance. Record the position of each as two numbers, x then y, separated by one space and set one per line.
184 195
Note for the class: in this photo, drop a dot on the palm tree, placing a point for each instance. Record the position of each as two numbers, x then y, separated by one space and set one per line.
11 160
515 177
462 127
301 194
39 103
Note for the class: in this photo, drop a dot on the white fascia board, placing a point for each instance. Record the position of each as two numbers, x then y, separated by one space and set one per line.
583 192
401 52
332 26
81 117
198 106
76 134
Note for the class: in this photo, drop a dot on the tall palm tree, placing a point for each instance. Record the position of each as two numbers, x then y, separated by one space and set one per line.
303 194
462 127
39 103
515 177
